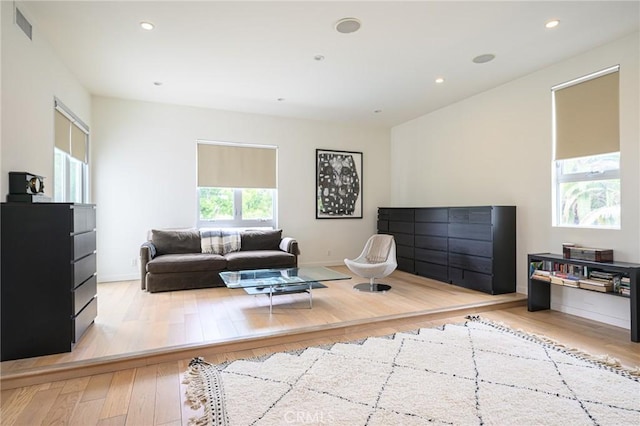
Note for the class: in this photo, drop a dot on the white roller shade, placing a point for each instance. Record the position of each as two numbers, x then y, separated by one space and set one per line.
587 117
62 132
232 166
78 144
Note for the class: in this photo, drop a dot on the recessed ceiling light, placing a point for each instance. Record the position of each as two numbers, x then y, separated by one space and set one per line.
157 83
319 58
280 99
147 25
552 23
481 59
377 111
439 80
348 25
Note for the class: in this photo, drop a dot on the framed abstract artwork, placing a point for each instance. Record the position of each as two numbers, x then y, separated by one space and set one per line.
338 184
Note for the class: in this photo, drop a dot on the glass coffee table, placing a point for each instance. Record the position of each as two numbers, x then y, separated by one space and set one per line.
281 281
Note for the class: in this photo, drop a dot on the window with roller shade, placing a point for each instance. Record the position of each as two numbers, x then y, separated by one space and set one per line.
71 162
586 136
236 185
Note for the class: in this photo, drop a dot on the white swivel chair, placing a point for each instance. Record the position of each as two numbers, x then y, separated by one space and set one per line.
377 260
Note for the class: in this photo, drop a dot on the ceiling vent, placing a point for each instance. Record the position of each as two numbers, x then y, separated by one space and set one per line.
23 23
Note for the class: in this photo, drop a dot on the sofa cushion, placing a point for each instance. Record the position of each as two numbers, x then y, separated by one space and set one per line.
176 241
188 262
268 239
259 259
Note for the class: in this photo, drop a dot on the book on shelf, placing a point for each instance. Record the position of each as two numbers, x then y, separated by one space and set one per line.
596 287
603 275
571 282
557 280
598 283
624 286
541 275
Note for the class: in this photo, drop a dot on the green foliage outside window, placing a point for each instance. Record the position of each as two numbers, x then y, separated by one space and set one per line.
589 191
218 203
594 203
257 204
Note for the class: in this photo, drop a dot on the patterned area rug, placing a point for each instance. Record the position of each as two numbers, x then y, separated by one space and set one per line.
465 374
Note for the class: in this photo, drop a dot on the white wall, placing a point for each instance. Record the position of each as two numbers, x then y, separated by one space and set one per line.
144 170
495 148
31 77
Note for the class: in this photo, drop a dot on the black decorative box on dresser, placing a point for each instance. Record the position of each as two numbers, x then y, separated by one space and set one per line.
48 277
473 247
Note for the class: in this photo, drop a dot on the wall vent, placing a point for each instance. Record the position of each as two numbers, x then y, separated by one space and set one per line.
23 23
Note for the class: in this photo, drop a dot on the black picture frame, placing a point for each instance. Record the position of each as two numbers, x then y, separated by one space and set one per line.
339 184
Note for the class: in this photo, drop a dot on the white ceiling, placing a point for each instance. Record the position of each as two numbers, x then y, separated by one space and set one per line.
243 56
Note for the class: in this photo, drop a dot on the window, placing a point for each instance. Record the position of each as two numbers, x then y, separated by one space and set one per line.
236 186
71 168
588 191
224 207
587 152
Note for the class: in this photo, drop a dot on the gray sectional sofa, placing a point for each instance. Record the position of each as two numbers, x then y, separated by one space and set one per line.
173 259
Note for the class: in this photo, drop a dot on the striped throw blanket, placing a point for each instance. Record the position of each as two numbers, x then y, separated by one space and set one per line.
219 241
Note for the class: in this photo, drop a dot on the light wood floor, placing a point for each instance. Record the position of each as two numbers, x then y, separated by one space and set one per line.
152 393
132 321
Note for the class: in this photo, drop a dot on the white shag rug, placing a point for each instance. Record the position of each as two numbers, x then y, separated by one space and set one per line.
477 373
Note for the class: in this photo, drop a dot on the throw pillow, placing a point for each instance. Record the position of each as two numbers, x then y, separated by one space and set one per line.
267 239
176 241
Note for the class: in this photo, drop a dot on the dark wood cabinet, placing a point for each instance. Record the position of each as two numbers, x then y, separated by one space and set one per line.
48 277
400 224
473 247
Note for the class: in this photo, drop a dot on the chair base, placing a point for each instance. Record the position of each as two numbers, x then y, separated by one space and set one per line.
372 287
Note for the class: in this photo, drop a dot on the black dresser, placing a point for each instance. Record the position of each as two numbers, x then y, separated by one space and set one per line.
48 276
473 247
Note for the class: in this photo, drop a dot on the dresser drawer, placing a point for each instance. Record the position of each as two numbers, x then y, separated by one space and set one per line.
405 264
471 280
432 243
84 319
470 231
83 269
432 215
84 293
426 228
431 256
84 218
471 263
402 227
83 244
431 270
401 215
404 251
470 215
403 239
473 247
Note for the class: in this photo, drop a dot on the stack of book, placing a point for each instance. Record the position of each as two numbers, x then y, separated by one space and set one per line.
625 286
542 275
564 278
599 281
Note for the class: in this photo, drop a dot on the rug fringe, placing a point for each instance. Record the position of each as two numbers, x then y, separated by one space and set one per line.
198 389
604 360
